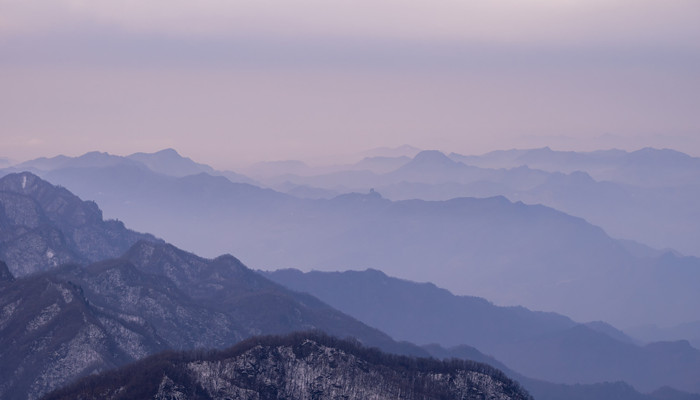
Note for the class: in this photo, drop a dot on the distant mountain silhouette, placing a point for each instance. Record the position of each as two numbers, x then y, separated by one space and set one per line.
648 195
169 162
646 167
421 312
510 253
652 333
93 159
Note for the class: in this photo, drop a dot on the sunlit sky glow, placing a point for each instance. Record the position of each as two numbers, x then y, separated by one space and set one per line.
231 82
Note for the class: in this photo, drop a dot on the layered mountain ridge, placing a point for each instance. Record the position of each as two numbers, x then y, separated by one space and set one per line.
155 297
509 252
537 345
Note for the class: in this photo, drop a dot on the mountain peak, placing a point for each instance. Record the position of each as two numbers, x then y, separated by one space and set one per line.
169 151
55 227
96 153
169 162
666 157
22 182
164 154
432 156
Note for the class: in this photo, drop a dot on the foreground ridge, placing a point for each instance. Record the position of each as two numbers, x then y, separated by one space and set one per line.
307 365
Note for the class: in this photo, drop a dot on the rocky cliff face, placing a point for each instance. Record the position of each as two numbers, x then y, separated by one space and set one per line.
49 334
75 320
43 226
300 366
5 274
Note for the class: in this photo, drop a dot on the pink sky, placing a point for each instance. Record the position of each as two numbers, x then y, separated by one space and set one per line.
230 83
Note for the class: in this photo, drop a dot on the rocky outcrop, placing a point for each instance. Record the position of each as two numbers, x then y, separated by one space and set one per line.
300 366
5 274
43 226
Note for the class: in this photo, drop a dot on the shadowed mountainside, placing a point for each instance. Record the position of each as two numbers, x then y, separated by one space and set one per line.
301 366
538 345
72 320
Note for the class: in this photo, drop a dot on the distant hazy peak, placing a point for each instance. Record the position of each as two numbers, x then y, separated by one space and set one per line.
653 150
170 162
432 156
101 159
663 157
90 159
165 153
95 153
168 151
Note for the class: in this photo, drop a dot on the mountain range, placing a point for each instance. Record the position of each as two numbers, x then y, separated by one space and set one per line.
73 320
648 195
647 167
538 345
509 252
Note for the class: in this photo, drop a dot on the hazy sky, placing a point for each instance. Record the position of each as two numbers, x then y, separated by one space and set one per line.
229 82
